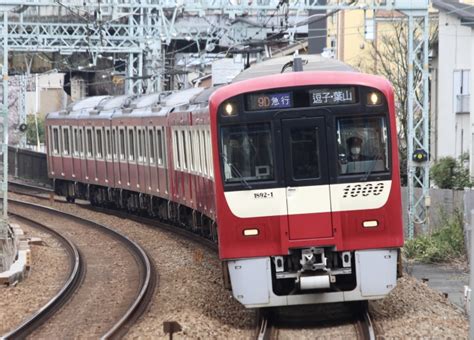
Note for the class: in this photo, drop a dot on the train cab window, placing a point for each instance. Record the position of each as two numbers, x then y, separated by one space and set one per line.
56 141
90 143
247 152
122 144
151 146
159 137
99 147
131 145
362 145
66 142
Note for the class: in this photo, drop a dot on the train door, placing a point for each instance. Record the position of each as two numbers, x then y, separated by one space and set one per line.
306 178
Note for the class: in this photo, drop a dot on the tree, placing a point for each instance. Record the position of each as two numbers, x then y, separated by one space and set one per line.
449 173
389 58
31 129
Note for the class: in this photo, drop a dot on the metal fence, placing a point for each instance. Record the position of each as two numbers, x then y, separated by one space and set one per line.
28 165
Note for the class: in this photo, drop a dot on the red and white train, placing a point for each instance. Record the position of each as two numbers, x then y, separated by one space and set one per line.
295 175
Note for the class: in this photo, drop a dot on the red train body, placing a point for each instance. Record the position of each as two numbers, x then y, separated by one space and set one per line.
264 166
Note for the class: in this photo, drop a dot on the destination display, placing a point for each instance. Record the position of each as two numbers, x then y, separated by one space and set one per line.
332 96
269 101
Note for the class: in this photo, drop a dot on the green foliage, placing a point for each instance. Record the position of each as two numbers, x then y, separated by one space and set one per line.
449 173
445 244
31 129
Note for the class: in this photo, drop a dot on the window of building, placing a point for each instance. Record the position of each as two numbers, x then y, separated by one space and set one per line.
461 91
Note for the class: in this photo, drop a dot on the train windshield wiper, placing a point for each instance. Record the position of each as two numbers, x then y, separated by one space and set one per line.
237 172
377 158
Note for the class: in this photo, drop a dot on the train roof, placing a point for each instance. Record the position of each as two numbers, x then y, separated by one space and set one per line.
310 63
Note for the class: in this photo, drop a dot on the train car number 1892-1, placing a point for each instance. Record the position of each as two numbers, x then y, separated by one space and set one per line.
263 194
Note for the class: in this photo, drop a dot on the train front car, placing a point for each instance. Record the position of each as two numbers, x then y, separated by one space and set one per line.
307 187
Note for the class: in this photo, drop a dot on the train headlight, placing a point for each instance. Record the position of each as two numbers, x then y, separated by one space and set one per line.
229 109
374 98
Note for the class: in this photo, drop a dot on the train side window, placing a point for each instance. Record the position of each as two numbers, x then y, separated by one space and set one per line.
122 144
108 144
81 142
204 154
177 150
56 141
75 142
114 144
184 153
199 152
191 151
151 146
141 150
131 144
209 158
66 142
159 138
90 143
99 146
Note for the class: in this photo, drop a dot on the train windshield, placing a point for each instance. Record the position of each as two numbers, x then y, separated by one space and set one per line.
247 152
362 145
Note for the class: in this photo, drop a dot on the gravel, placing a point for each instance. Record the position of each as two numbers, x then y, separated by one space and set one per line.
190 291
48 273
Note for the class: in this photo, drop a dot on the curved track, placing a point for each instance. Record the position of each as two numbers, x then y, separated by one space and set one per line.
76 275
145 269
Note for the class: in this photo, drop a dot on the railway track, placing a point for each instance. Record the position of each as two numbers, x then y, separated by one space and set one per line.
90 304
352 322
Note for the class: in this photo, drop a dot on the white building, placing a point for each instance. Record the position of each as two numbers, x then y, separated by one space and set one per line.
451 82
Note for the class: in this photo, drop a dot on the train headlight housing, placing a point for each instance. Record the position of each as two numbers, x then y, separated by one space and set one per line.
374 98
229 109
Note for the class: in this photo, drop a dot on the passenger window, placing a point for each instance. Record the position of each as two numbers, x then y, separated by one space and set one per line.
131 145
81 142
74 142
99 143
122 144
90 146
204 160
191 151
151 141
185 153
140 145
114 144
177 151
109 144
160 146
56 141
199 160
209 150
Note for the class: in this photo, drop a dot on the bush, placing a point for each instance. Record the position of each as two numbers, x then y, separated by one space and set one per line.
444 244
449 173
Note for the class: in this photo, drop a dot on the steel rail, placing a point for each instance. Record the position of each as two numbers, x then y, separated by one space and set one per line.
147 270
76 275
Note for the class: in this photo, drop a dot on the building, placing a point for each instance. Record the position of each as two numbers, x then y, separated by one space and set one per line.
452 78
